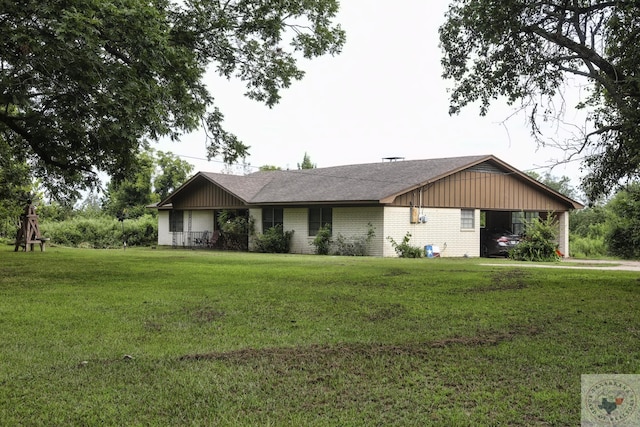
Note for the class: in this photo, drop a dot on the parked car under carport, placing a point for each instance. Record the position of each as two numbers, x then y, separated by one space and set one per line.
497 242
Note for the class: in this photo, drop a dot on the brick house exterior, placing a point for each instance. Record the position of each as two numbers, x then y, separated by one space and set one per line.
441 202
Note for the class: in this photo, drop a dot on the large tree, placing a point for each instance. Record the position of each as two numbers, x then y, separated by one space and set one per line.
527 51
561 184
306 163
173 172
623 234
156 175
86 84
16 187
130 196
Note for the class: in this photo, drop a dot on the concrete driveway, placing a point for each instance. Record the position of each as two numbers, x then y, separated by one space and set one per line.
583 264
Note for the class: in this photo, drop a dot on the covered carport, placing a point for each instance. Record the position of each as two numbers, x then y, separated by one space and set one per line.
515 221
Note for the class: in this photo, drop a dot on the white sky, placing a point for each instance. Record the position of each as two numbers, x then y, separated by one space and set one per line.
382 96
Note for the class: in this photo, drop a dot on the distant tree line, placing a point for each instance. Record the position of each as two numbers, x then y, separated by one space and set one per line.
99 219
605 228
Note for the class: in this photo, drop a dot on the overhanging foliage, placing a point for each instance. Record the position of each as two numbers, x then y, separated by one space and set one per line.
84 85
525 51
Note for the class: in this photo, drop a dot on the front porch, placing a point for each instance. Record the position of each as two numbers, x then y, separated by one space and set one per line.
196 239
204 229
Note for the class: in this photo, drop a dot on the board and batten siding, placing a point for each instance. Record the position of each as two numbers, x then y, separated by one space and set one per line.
481 190
203 194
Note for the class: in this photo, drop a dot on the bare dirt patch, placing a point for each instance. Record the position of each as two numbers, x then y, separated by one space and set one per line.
386 312
302 354
505 281
204 314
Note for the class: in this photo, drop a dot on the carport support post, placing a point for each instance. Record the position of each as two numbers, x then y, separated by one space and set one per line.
563 235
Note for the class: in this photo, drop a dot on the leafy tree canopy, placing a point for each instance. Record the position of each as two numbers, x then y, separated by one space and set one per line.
173 172
526 51
129 197
270 168
560 184
15 188
306 163
623 236
157 174
85 85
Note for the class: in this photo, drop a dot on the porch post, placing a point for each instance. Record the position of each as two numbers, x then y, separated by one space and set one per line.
563 235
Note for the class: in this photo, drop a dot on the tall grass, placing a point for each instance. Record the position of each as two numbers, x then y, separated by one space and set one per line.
178 337
587 247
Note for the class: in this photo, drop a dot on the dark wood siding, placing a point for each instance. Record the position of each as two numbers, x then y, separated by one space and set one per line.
203 194
482 190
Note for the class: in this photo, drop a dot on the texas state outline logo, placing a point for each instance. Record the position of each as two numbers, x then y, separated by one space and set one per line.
610 400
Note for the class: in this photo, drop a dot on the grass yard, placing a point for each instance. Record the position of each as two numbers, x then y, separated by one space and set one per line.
175 337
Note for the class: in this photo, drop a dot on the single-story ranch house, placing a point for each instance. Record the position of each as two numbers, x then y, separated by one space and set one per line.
440 202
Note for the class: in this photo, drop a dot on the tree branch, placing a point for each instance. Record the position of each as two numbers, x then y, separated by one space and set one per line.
582 50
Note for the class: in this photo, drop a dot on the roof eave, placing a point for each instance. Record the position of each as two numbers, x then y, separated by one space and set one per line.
318 203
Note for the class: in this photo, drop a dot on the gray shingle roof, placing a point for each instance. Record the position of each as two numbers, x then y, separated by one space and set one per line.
351 183
243 187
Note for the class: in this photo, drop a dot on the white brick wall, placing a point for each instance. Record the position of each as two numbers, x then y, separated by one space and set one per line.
200 221
255 215
354 223
293 219
350 222
164 237
442 229
298 219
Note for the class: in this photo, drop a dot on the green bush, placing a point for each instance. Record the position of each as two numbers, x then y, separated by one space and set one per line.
274 240
587 247
539 242
623 238
404 249
235 230
323 241
101 232
354 246
623 233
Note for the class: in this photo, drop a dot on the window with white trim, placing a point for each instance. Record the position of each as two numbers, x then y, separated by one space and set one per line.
467 219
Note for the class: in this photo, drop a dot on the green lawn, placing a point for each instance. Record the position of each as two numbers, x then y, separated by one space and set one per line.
177 337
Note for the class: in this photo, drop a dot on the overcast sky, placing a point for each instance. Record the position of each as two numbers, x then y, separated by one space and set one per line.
382 96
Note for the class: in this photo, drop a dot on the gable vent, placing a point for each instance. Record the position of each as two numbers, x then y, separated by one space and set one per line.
486 167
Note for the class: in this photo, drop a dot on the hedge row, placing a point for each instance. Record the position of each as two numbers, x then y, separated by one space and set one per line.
102 232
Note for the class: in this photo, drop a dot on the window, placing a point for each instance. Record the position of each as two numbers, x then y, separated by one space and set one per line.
319 217
176 221
519 220
271 217
467 219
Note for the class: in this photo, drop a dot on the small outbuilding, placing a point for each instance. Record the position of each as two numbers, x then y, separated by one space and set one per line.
442 203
